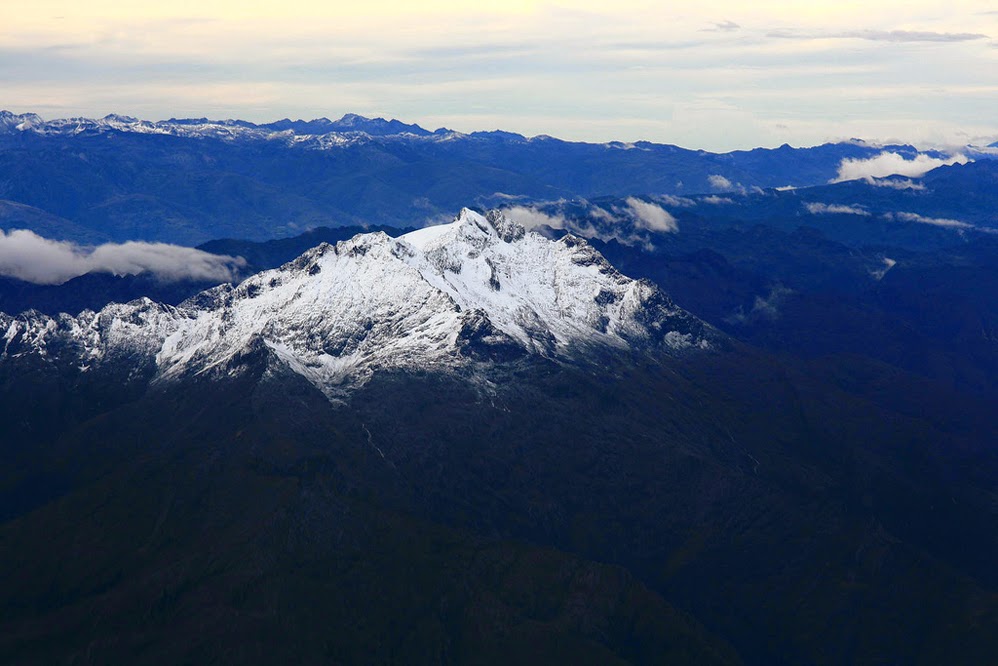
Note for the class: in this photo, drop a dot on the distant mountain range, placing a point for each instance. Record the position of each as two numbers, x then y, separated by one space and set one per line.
189 181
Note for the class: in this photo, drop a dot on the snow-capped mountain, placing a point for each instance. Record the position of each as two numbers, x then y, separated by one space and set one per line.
318 134
351 129
480 288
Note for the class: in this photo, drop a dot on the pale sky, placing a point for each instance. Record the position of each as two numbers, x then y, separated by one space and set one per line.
716 75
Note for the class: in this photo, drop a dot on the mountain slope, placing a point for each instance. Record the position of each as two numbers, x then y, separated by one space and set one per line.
478 288
797 518
247 520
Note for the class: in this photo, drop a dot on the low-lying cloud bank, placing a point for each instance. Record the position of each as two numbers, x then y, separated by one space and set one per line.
719 182
764 308
678 202
890 164
835 209
27 256
715 200
921 219
604 224
894 184
530 217
652 216
722 184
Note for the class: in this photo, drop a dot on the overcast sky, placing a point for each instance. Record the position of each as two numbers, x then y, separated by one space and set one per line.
716 75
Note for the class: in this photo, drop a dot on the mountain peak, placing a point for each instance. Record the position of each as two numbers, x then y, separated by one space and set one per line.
352 122
20 122
117 118
479 289
352 119
466 227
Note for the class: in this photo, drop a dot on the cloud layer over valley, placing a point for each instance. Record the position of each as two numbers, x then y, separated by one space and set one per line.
27 256
629 223
892 164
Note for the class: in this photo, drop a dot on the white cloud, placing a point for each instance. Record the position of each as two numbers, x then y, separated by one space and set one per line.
628 225
763 308
897 36
678 202
719 182
27 256
717 201
531 217
890 164
921 219
905 184
878 274
652 216
834 209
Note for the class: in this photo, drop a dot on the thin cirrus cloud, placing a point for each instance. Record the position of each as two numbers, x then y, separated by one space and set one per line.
723 26
897 36
27 256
